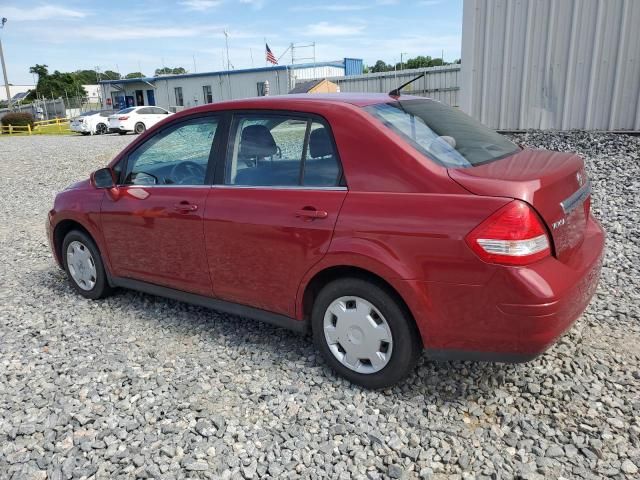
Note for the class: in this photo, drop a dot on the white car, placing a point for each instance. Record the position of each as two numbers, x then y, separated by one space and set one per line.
94 122
136 119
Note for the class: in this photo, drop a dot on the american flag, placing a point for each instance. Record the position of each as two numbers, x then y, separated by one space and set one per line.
270 56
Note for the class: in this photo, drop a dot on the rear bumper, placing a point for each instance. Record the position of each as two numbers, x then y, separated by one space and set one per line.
517 314
80 128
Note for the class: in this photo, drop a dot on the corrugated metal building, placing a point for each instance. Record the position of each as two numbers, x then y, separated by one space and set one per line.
175 92
552 64
439 83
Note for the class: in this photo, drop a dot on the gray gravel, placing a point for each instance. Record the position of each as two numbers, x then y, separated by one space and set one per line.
137 386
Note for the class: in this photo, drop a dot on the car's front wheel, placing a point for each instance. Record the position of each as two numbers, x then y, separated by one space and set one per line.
364 333
139 128
84 266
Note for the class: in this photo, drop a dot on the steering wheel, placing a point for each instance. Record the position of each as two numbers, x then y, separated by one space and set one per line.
187 172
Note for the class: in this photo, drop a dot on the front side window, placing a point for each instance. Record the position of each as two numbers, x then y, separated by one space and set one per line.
207 94
177 156
442 133
179 98
281 150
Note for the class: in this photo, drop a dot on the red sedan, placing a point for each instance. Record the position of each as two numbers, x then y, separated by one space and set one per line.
384 225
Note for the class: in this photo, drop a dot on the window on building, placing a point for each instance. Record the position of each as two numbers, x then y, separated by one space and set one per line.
179 97
207 94
263 89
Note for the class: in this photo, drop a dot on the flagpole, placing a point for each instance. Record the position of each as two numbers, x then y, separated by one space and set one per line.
265 52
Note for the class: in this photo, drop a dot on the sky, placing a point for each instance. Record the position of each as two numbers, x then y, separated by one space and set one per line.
142 35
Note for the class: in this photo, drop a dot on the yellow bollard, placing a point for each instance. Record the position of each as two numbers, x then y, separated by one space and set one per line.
29 128
10 129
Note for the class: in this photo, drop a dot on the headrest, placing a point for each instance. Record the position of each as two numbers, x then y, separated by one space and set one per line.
257 141
320 143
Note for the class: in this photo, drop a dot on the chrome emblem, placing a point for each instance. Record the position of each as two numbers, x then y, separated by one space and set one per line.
580 178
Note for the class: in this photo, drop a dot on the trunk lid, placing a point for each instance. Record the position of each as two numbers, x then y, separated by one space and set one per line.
553 183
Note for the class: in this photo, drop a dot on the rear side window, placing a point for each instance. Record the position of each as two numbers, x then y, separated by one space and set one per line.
281 151
442 133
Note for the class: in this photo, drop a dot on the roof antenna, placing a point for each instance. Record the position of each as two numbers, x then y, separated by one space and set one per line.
396 91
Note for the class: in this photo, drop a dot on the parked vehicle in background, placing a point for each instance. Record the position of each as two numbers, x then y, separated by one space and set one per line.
136 119
94 122
384 225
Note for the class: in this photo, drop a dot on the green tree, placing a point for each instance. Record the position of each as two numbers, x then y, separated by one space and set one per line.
86 77
39 70
110 75
135 75
57 84
170 71
381 66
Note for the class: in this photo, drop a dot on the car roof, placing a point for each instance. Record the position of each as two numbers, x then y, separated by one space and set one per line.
280 101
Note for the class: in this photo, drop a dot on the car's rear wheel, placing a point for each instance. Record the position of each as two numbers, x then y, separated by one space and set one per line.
364 333
84 266
101 129
139 128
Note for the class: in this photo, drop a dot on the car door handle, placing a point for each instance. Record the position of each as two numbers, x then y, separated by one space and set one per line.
311 213
185 207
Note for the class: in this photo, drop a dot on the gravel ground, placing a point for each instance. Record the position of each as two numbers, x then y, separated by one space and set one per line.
137 386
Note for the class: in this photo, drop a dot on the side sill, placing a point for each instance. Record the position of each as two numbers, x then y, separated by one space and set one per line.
475 356
276 319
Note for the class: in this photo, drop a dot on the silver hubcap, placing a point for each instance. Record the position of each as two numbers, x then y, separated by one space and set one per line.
81 265
358 335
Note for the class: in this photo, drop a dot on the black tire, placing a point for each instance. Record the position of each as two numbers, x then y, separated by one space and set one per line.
101 288
407 344
101 129
139 128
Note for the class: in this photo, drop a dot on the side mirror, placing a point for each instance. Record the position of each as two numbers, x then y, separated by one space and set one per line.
103 178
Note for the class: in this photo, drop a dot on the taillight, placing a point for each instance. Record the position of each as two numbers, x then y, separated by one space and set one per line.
514 235
124 117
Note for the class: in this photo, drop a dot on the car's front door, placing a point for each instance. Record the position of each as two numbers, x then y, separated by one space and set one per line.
271 213
153 225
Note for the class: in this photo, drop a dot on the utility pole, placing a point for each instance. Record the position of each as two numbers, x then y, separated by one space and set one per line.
401 63
226 41
4 67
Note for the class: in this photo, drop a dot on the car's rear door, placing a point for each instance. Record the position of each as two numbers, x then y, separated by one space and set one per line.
271 213
156 114
153 227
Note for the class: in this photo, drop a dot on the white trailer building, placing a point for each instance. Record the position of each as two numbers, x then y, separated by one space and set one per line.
176 92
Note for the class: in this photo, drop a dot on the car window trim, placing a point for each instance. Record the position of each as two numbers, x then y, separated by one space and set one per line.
208 180
218 179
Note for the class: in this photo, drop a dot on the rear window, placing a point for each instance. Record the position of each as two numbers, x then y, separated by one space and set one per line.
442 133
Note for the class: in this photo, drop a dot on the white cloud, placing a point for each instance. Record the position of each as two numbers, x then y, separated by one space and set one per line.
335 7
326 29
256 4
141 32
41 12
201 5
